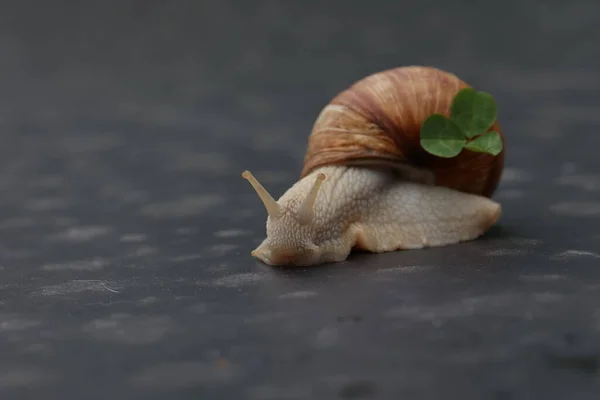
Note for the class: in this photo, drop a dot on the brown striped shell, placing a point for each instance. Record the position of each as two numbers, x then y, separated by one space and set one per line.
377 122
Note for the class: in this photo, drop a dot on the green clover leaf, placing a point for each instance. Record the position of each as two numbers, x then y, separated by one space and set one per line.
489 142
474 112
441 136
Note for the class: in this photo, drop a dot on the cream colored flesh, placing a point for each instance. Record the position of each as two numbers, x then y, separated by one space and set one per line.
371 210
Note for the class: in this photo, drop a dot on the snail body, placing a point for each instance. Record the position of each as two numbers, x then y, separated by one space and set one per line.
368 184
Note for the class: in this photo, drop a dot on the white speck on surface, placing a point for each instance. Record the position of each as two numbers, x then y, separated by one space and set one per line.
100 282
129 329
232 233
217 267
83 233
525 241
46 204
142 251
576 208
82 265
133 238
406 269
188 257
185 374
463 308
505 252
298 295
77 286
146 301
223 249
577 253
15 324
586 182
542 278
184 207
239 279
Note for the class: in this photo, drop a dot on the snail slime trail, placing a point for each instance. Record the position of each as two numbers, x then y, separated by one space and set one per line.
362 186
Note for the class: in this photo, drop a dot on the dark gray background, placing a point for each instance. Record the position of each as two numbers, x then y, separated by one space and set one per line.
125 227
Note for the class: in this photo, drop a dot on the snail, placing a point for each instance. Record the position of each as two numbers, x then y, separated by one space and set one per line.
368 184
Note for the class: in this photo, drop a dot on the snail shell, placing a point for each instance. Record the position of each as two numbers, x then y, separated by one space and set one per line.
376 122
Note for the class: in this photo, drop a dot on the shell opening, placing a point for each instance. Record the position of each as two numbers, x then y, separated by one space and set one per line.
306 211
271 205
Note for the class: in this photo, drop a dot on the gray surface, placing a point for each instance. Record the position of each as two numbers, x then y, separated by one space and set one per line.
125 226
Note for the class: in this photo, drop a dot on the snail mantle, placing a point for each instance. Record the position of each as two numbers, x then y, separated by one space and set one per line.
405 158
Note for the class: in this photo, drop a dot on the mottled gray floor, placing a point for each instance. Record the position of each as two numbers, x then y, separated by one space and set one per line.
125 226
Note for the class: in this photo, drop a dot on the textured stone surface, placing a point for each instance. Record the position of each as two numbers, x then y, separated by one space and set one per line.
125 226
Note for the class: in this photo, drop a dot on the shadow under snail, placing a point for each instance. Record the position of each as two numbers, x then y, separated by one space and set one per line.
371 182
